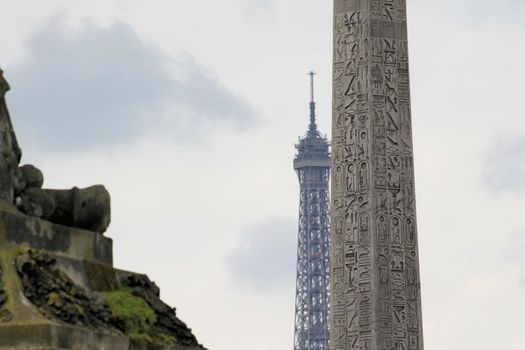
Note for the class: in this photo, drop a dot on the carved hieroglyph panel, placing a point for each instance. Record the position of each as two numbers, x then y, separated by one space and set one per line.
376 301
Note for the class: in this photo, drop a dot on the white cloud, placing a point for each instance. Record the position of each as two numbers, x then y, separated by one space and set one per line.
514 254
256 7
180 211
504 168
265 259
98 86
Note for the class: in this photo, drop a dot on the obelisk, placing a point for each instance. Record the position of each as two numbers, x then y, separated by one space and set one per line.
375 283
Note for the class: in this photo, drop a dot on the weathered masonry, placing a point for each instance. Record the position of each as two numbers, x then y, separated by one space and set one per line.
375 283
58 287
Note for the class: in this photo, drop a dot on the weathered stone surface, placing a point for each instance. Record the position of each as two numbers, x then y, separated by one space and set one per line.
32 176
10 152
5 314
60 337
57 297
87 208
21 186
56 312
36 202
56 272
100 277
375 294
167 320
63 337
18 229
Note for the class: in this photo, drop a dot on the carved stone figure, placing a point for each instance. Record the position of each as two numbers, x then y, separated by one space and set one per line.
58 286
10 153
57 296
22 186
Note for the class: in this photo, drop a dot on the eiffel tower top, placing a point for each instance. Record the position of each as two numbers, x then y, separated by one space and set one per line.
313 149
312 128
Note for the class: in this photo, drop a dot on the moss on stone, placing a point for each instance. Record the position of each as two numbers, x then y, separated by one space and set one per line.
101 276
138 317
167 338
136 314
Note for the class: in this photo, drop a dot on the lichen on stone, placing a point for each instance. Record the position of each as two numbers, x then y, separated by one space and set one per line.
5 314
167 324
134 310
58 298
101 276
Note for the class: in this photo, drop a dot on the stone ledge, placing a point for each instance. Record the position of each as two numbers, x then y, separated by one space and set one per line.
22 230
45 336
62 337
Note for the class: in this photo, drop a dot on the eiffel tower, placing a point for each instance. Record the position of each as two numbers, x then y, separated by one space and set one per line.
312 165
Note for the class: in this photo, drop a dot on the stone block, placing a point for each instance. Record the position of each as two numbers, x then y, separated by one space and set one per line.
18 229
59 336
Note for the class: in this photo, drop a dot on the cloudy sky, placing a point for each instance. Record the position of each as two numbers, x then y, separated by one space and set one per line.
188 112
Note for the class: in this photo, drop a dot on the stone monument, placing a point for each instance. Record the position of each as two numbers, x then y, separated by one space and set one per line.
375 283
58 286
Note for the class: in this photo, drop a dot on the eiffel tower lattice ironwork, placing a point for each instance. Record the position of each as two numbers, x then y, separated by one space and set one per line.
312 309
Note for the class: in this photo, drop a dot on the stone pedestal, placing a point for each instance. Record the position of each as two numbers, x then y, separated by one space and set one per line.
54 336
58 287
21 230
81 261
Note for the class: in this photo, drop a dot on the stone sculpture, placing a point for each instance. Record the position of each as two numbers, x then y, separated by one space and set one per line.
58 286
57 296
22 185
10 151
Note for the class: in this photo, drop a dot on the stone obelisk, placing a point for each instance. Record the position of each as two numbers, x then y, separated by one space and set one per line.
375 283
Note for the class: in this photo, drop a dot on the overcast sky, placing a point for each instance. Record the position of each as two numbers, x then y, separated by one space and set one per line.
188 112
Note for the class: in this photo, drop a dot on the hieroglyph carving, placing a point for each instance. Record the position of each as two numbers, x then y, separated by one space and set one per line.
376 303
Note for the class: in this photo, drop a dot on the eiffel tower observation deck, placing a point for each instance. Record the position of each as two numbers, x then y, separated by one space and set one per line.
312 164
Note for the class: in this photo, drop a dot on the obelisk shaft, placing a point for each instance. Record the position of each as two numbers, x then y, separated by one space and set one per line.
375 285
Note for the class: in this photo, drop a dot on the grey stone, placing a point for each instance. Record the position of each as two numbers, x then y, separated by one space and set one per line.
58 287
375 283
167 320
10 152
5 314
60 337
37 202
58 297
88 208
76 244
32 176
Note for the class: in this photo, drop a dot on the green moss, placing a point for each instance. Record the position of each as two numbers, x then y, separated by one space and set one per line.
135 313
101 276
167 338
138 317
